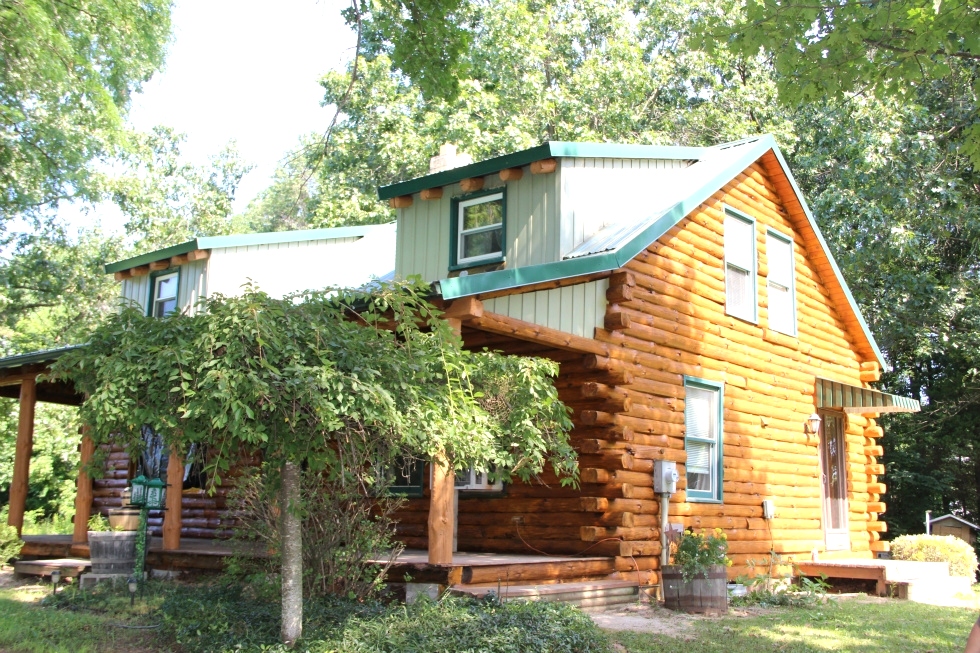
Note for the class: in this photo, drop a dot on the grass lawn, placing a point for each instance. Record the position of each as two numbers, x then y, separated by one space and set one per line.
854 625
104 621
28 625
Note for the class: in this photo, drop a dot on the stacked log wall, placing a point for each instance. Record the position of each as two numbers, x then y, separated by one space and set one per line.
203 515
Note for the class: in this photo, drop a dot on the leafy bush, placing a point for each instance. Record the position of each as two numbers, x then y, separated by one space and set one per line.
697 551
226 617
961 557
10 542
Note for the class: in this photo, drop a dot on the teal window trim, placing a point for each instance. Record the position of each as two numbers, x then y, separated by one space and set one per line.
753 272
716 494
454 262
772 233
152 290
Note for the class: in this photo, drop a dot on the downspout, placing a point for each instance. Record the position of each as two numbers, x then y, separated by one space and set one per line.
664 548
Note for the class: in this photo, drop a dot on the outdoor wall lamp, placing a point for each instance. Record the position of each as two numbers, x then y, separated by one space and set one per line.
812 425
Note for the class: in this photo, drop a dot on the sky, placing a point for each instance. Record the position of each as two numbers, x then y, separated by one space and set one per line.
247 71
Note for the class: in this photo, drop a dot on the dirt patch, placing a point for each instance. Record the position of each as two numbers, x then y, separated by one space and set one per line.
9 579
651 618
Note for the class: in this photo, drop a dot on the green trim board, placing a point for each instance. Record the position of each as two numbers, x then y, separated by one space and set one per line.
547 150
34 357
716 494
857 400
748 151
242 240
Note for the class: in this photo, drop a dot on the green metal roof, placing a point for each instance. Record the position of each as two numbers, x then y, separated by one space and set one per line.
241 240
31 358
550 149
732 158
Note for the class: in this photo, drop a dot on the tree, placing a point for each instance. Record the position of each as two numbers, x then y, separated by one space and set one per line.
301 379
890 49
69 71
533 71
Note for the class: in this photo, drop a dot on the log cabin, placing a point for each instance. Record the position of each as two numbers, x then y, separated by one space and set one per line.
699 320
698 317
179 278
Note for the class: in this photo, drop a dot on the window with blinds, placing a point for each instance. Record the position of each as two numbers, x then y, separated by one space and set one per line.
702 439
779 284
740 266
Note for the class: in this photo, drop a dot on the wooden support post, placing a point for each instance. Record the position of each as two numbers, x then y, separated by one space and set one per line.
442 500
83 491
441 518
175 486
22 455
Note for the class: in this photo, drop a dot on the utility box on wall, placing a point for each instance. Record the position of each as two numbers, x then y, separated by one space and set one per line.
665 477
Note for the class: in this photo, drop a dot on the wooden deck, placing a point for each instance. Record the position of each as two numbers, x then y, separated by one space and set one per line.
498 569
199 554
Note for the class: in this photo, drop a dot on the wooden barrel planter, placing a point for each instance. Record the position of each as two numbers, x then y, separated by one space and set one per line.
112 552
699 595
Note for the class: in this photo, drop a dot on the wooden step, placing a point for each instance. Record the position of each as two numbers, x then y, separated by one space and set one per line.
589 594
69 567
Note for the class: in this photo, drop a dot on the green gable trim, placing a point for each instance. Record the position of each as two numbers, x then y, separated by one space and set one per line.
31 358
242 240
550 149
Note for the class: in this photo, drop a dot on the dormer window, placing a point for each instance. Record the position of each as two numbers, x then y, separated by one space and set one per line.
163 301
479 229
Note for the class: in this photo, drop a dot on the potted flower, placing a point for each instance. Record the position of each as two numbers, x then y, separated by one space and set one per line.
697 580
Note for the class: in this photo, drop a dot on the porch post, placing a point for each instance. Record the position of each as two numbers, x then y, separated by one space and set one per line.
441 517
83 492
22 455
442 504
172 518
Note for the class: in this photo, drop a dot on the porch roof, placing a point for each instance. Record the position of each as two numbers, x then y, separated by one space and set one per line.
14 369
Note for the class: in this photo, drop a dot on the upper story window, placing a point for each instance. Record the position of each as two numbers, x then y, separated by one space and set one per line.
740 266
703 401
478 226
779 282
163 298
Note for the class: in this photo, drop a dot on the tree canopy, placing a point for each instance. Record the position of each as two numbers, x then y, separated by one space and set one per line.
69 70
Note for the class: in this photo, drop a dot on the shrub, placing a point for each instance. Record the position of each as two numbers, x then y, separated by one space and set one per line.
961 557
10 542
231 617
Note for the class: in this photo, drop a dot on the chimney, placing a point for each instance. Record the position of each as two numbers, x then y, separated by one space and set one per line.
448 159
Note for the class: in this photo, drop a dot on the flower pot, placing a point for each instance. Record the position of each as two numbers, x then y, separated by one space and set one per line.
124 519
699 595
112 552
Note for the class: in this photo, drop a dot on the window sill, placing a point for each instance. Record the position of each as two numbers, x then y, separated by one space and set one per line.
703 500
469 265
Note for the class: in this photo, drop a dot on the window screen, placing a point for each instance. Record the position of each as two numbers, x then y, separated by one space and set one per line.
740 267
782 309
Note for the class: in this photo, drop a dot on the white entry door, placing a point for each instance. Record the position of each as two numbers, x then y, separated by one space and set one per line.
833 467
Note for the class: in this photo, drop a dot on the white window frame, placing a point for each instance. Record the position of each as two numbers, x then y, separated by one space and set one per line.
461 233
470 479
715 441
154 292
749 265
777 239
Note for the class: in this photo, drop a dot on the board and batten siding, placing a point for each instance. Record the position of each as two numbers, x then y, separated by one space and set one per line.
276 268
193 287
531 227
598 192
577 309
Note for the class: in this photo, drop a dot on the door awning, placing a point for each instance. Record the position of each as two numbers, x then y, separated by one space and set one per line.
853 399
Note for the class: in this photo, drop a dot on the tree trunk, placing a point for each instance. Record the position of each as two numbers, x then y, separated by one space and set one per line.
292 556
